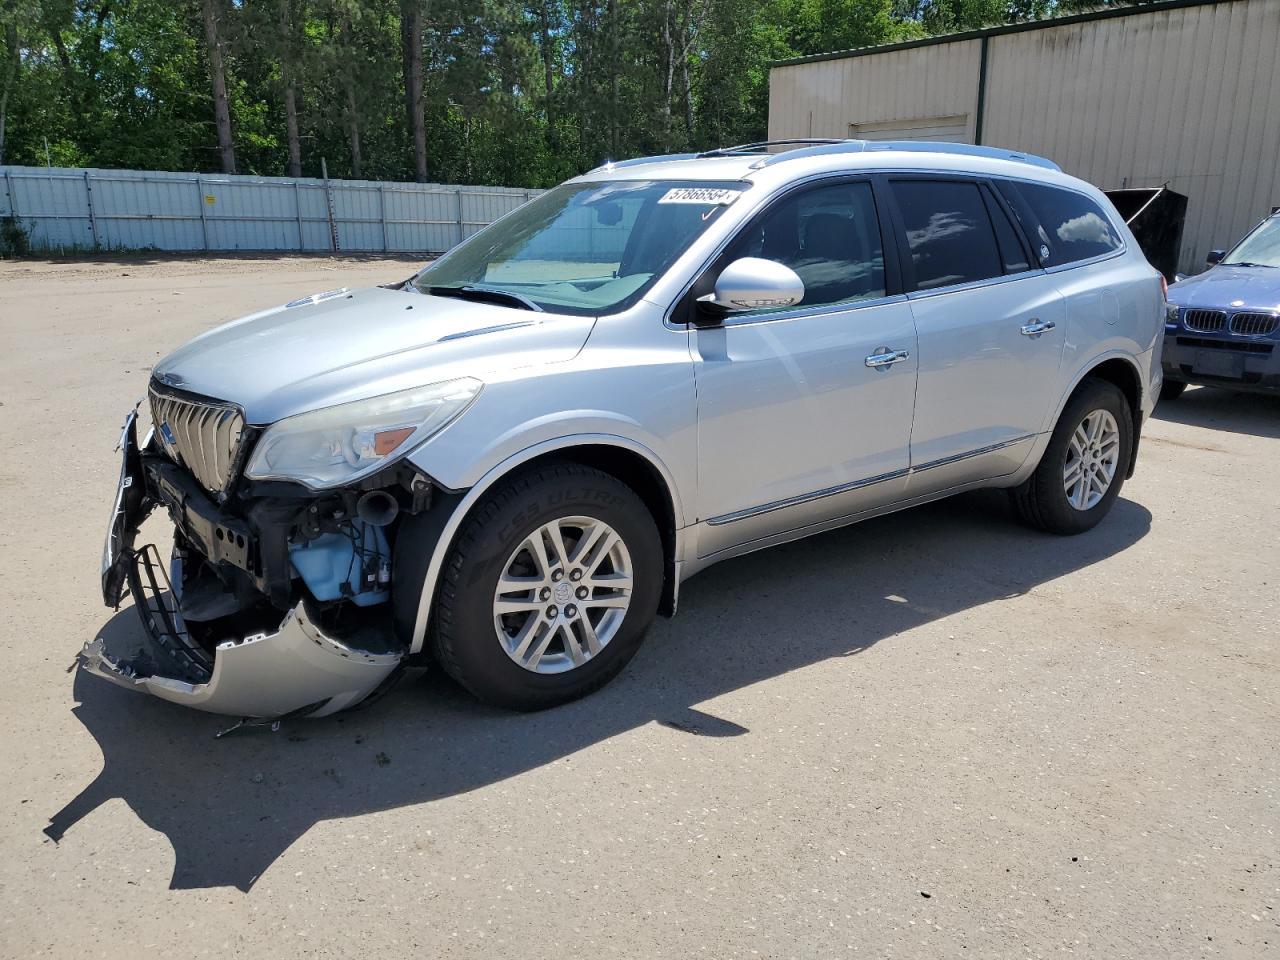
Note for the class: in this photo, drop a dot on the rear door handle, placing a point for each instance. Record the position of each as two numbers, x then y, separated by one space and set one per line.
884 357
1037 327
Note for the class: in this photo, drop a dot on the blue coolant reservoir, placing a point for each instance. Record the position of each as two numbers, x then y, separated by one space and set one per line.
335 565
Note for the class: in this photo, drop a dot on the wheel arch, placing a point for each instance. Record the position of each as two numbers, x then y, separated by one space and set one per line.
1122 371
631 462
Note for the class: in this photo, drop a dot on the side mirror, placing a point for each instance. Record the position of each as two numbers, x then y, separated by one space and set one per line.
754 284
1214 257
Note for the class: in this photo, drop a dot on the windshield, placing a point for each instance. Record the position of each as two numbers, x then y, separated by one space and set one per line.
582 248
1260 248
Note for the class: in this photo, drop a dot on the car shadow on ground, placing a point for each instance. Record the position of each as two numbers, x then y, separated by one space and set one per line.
1257 414
230 807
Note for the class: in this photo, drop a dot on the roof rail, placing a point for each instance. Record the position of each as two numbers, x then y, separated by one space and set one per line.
908 146
762 146
819 147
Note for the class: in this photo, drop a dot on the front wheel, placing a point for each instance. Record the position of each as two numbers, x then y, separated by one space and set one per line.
548 591
1083 467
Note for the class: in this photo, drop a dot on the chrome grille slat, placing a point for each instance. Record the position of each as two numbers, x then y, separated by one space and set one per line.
206 436
1205 321
1254 324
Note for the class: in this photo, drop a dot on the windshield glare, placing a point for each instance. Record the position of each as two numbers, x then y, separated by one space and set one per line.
585 248
1261 247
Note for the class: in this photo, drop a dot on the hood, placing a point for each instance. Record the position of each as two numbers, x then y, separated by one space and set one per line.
349 345
1226 287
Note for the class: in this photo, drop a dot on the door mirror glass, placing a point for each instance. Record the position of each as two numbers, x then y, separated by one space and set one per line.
751 283
1214 257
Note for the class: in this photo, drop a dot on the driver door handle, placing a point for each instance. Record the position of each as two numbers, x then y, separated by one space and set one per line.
884 357
1037 327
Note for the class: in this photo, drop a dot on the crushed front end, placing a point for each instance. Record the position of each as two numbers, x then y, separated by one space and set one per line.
274 600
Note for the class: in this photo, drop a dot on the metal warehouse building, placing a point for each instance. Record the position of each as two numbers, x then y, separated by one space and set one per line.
1185 92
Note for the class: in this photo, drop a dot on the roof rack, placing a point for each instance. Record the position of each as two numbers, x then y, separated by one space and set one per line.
762 146
907 146
819 147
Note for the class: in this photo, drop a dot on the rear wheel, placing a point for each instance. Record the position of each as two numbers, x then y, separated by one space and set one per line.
549 588
1171 389
1083 467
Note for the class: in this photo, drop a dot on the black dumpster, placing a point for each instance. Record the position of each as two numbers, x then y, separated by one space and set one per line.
1155 215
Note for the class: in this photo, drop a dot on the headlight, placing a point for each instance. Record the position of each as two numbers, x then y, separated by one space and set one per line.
1171 314
338 445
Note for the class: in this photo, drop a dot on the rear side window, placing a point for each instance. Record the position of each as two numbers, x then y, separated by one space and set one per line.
1071 225
948 232
1011 249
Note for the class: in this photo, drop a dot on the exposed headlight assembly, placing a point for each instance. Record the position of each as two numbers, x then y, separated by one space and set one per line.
339 445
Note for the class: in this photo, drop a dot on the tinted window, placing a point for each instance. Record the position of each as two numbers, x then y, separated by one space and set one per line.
1012 254
829 235
1071 225
948 232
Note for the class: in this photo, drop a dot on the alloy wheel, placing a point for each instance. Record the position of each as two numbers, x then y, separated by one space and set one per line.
1093 456
563 594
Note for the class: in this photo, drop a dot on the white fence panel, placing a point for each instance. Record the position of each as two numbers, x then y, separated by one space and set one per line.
75 209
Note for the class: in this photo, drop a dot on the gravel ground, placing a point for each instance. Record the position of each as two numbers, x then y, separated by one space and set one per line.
933 735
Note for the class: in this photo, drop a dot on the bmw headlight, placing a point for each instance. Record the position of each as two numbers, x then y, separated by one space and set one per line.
342 444
1171 314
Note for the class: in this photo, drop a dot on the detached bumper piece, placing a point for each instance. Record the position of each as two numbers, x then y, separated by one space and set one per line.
295 670
277 662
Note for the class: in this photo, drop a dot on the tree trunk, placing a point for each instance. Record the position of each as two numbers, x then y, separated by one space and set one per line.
291 126
290 90
411 35
668 75
547 72
217 73
353 130
11 44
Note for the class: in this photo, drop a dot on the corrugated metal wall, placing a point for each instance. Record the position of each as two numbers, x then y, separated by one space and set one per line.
827 98
1188 95
70 209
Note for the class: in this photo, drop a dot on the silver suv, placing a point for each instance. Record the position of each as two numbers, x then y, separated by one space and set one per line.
512 460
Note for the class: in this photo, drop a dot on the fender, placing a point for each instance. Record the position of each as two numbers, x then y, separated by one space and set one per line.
461 507
1046 431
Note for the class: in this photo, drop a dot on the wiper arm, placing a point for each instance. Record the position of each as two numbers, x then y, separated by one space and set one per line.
486 294
1246 263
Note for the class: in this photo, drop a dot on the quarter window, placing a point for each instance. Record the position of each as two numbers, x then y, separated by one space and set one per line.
1071 225
828 235
948 232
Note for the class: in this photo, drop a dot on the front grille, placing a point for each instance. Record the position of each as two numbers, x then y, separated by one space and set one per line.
1204 321
202 435
1254 324
1235 345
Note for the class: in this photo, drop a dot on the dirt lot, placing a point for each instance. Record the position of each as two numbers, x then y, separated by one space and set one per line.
934 735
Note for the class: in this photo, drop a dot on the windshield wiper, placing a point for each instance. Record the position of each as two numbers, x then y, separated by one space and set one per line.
1246 263
486 295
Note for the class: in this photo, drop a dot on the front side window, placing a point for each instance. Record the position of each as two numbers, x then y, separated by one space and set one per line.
1261 248
948 231
829 235
1072 226
583 248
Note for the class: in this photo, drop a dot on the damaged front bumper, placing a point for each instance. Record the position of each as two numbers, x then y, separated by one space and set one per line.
296 668
295 671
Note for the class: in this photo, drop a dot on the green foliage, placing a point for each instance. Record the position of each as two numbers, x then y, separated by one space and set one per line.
516 92
14 241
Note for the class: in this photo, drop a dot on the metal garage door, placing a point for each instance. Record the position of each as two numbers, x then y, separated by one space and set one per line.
954 128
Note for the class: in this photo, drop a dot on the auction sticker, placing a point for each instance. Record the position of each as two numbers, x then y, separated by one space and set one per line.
700 195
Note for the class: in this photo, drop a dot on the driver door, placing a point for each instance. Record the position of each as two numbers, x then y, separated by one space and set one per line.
801 419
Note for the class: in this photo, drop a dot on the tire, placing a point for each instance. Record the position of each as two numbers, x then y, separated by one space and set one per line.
1171 390
1043 500
478 646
